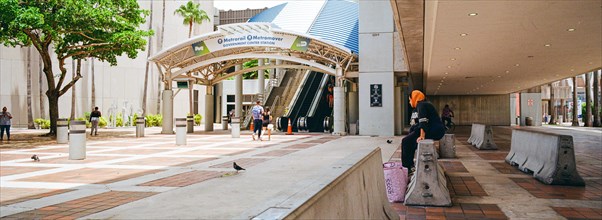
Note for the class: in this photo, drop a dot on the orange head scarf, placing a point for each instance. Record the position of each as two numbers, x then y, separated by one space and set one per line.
416 97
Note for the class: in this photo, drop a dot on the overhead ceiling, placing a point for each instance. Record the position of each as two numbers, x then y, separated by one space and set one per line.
499 47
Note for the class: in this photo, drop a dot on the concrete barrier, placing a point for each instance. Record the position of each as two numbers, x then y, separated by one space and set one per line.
481 136
180 131
428 186
356 193
62 131
550 157
447 146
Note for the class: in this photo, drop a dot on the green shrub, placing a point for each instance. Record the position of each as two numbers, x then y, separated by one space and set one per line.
119 122
197 119
102 123
42 123
134 119
154 120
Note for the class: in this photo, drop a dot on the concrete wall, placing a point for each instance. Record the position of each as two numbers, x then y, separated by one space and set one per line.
530 106
376 67
483 109
358 193
114 85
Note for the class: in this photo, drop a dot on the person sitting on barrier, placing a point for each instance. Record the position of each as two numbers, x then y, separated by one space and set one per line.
257 113
267 120
446 115
429 127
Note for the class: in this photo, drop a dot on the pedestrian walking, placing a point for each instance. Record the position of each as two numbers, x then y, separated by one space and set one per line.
5 118
257 113
94 119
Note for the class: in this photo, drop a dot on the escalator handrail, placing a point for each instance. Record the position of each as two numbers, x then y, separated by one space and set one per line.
291 105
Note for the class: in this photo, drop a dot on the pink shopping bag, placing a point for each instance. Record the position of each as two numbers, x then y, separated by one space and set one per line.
396 181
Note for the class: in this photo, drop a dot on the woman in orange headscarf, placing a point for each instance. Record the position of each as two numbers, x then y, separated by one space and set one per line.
429 127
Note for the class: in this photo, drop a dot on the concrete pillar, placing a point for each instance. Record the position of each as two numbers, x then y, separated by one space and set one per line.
238 93
587 115
260 80
575 118
209 109
353 103
271 73
376 68
530 106
596 114
551 105
339 104
167 96
190 125
397 110
278 70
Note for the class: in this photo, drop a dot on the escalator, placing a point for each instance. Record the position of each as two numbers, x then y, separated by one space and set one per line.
310 106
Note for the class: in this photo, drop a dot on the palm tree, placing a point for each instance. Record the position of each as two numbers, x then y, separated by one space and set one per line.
160 47
40 74
150 47
192 14
29 112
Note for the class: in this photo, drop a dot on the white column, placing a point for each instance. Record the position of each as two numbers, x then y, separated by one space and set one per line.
167 96
260 80
397 110
278 70
353 104
209 109
339 104
238 92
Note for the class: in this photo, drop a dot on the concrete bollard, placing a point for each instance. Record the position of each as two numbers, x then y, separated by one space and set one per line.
225 123
140 124
447 146
190 124
428 186
62 131
180 131
235 127
77 140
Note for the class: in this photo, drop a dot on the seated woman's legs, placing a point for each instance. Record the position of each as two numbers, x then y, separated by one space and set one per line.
408 148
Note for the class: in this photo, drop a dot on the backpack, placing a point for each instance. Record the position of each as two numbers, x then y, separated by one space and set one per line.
256 112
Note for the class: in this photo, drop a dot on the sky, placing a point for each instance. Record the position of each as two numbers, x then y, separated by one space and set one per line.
244 4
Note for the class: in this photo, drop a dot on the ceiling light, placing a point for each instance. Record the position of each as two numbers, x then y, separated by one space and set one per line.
473 14
570 29
452 59
507 71
517 64
457 48
446 73
589 63
547 45
444 77
463 34
499 76
572 70
449 67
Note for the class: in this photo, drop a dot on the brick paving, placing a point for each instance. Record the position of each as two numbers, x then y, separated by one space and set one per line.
468 193
140 167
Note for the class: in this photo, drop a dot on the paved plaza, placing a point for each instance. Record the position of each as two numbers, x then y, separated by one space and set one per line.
123 175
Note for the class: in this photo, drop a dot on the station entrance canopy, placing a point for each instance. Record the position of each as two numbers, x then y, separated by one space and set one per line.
208 59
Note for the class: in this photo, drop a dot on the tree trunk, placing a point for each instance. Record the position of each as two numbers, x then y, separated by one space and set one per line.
588 101
53 108
575 118
596 113
160 47
190 28
93 86
72 91
150 47
41 72
551 108
30 124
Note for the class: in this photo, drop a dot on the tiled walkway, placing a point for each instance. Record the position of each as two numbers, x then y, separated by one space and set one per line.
119 171
122 170
483 186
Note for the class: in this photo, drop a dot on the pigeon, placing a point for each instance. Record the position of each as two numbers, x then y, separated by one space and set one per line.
237 168
389 141
35 158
